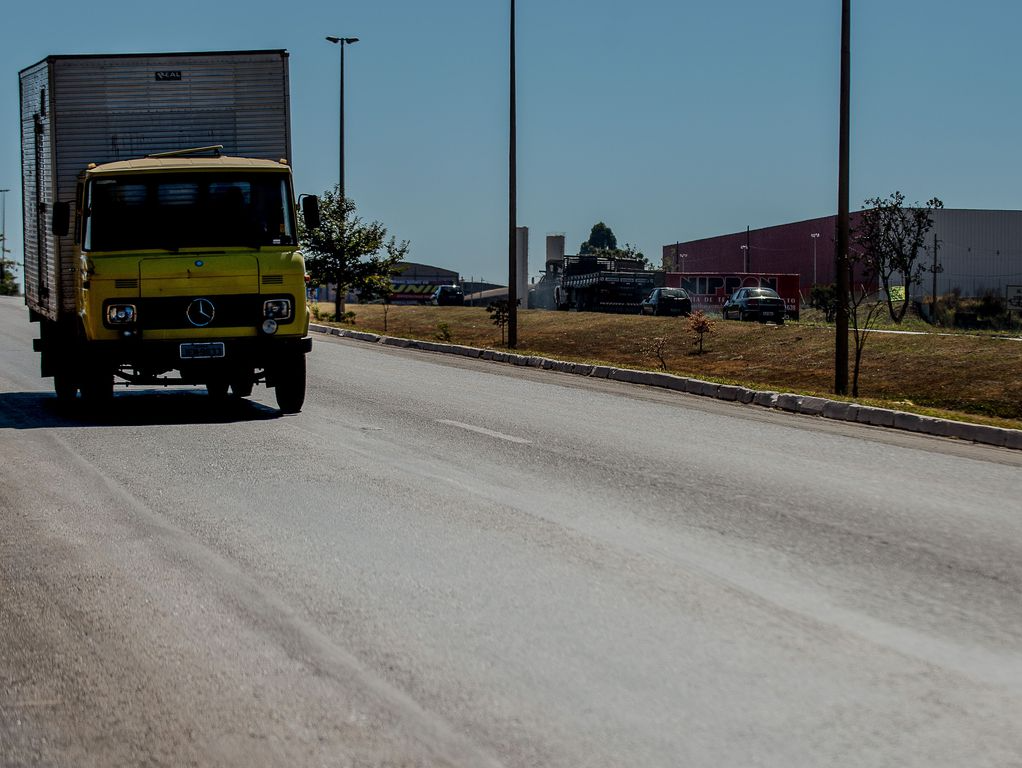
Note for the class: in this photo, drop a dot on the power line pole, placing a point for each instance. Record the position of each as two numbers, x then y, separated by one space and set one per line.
512 257
841 259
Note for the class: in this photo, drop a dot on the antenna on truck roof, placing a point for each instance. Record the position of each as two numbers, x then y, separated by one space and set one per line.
216 149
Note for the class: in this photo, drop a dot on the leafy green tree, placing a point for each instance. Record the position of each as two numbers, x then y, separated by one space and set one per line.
601 238
602 242
890 238
349 252
8 286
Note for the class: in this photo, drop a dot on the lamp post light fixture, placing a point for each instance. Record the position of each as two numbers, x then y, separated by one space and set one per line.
342 41
681 261
745 257
815 236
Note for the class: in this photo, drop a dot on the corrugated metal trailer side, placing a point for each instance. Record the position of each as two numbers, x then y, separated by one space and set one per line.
37 190
106 108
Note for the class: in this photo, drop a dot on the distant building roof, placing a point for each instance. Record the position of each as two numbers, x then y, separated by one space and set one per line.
412 271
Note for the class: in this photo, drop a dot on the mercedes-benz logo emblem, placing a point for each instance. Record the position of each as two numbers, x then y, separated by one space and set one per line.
200 312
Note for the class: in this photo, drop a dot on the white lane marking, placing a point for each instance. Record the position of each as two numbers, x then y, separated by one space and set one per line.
484 431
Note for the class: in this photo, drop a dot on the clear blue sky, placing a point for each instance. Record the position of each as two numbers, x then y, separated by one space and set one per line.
668 120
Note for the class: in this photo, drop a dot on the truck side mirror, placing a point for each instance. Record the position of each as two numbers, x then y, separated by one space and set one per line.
310 211
61 223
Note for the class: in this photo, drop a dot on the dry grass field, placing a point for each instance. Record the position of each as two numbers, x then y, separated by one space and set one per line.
969 377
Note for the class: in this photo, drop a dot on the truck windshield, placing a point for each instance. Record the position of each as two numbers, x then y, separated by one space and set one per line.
136 212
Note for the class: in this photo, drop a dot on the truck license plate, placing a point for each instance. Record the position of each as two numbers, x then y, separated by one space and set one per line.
196 350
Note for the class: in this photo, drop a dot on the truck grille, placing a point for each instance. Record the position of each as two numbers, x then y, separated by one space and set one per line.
230 311
273 279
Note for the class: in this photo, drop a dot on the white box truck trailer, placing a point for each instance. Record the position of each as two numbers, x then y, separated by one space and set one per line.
161 240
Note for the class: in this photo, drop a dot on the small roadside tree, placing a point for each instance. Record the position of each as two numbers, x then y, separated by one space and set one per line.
700 325
891 238
864 304
656 348
824 297
498 315
864 309
349 252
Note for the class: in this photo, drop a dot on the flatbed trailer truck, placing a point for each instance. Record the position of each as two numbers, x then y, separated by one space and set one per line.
596 284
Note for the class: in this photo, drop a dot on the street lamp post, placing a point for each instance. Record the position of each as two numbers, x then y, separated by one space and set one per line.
745 257
681 261
342 41
814 235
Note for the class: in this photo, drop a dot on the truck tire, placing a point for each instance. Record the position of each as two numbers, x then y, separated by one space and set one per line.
216 389
97 386
65 386
289 383
241 387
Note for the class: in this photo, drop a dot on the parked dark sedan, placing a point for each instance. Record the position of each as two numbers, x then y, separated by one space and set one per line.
667 301
448 296
754 304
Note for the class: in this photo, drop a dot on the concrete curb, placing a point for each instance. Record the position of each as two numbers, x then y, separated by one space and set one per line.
837 410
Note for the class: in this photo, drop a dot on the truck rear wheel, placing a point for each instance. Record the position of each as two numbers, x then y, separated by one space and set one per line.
289 383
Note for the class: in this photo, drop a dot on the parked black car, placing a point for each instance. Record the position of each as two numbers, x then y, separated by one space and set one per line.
754 304
448 295
666 301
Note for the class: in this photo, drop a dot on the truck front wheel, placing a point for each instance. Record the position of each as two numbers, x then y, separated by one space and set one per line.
289 383
65 386
241 383
98 386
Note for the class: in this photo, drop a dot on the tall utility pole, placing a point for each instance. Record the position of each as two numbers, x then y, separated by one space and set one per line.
841 258
512 193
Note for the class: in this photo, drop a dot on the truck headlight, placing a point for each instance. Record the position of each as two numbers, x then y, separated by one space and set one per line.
269 326
120 314
277 309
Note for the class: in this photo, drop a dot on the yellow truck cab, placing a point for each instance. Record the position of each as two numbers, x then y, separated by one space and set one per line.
187 264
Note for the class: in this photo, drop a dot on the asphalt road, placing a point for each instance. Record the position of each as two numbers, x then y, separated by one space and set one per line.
446 562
